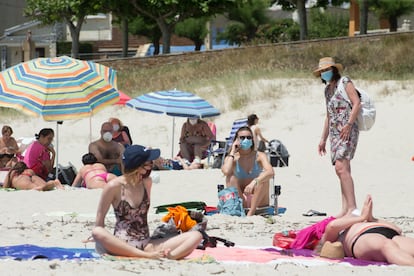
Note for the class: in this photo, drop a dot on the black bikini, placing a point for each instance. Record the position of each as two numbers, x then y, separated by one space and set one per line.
389 233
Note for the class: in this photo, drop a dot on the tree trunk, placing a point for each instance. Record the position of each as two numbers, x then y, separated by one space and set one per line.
156 43
393 20
166 36
74 33
198 44
302 19
125 43
363 20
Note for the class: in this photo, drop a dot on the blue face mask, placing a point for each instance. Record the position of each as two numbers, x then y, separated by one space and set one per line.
246 144
327 75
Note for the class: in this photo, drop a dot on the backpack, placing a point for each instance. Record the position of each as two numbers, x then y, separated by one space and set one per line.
230 203
126 129
366 116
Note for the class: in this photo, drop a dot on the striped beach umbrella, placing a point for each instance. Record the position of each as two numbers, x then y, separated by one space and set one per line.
58 89
174 103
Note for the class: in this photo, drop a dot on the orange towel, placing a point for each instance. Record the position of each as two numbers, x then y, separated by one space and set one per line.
181 218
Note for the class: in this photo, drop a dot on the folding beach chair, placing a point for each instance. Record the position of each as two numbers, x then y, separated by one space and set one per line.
218 149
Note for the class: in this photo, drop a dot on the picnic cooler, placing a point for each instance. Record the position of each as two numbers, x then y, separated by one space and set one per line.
278 154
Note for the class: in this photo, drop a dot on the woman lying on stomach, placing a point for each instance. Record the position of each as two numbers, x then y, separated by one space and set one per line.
22 178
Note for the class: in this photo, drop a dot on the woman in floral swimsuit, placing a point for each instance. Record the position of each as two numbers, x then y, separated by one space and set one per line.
341 127
129 195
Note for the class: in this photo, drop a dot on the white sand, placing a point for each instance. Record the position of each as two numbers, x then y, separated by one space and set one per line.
382 166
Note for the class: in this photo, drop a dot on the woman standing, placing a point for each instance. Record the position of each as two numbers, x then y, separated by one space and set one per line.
340 126
40 155
248 170
129 195
259 140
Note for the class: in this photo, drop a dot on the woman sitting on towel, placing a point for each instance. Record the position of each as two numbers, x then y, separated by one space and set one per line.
40 155
8 148
129 196
368 238
248 170
93 174
20 177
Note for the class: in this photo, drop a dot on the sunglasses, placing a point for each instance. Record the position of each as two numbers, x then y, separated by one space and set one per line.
245 137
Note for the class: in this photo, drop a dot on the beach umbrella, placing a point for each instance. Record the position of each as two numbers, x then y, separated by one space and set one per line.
123 98
174 103
58 89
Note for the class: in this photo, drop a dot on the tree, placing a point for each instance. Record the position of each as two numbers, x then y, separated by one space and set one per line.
327 24
167 13
145 26
194 29
391 10
72 12
300 5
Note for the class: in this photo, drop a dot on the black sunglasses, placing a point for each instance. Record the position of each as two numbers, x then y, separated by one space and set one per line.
245 137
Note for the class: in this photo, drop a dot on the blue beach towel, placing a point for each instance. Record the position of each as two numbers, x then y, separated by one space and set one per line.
33 252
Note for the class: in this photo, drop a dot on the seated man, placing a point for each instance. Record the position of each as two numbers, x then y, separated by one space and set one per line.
92 175
195 139
107 151
368 238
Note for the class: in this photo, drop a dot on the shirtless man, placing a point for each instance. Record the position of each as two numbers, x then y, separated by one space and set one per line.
368 238
92 175
107 151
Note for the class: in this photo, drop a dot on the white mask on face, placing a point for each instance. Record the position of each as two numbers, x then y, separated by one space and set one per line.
193 121
107 136
115 127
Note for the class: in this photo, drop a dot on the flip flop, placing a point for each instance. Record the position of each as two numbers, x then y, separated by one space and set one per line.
312 213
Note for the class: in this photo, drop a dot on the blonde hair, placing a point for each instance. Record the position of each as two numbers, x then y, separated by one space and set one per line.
117 121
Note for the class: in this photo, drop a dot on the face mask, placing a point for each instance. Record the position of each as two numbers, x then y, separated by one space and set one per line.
327 75
246 144
193 121
107 136
115 127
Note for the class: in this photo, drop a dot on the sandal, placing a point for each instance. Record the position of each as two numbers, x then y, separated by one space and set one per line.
312 213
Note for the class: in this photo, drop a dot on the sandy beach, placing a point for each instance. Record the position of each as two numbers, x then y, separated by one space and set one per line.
382 167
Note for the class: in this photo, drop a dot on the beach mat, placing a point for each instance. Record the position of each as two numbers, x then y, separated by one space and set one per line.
189 205
33 252
270 255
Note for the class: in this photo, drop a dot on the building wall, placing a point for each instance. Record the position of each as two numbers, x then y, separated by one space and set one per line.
11 13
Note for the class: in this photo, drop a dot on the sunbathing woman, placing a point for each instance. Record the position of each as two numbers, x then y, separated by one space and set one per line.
248 170
365 237
20 177
130 196
93 174
8 148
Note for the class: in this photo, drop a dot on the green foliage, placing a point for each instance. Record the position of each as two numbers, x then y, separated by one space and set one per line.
387 8
279 31
324 24
194 29
233 34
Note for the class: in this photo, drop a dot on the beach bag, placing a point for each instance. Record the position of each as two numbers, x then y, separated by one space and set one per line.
284 239
366 116
230 203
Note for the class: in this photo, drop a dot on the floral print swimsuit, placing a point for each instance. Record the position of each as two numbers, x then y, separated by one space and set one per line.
131 223
339 111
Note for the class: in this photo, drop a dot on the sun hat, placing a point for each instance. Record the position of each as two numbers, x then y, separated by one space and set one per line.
136 155
325 63
332 250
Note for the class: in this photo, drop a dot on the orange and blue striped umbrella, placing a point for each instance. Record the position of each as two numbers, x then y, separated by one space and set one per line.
58 89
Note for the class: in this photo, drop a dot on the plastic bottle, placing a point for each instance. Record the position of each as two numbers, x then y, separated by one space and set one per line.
275 199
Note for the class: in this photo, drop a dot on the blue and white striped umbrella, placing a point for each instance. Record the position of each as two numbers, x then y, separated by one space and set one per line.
174 103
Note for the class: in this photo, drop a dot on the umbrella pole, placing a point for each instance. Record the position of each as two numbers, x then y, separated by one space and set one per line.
172 148
57 148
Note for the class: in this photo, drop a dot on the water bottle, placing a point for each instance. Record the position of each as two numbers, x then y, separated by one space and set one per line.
276 194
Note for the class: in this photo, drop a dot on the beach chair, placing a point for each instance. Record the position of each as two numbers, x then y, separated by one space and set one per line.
218 149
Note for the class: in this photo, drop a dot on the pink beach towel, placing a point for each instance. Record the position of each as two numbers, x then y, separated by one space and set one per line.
308 237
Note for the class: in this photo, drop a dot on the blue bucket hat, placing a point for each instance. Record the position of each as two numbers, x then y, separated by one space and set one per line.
136 155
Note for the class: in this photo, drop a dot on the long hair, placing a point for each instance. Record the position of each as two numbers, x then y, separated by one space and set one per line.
17 169
242 129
